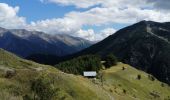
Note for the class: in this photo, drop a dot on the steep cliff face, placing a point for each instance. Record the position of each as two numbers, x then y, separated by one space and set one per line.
145 45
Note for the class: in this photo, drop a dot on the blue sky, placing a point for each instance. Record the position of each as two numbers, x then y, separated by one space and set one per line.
34 10
89 19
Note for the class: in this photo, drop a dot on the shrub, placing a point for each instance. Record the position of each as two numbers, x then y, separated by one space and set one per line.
119 85
110 60
4 95
155 94
162 84
134 96
139 77
124 91
10 73
43 89
152 78
123 68
27 97
111 90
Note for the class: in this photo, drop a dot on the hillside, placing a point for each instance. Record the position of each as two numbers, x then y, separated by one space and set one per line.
25 79
17 74
25 43
144 45
124 84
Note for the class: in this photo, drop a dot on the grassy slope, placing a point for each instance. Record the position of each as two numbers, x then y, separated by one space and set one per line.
116 80
73 87
70 87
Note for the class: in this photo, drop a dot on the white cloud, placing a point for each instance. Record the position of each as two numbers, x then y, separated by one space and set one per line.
108 31
53 26
87 34
100 15
160 4
73 21
77 3
109 12
90 34
104 3
9 18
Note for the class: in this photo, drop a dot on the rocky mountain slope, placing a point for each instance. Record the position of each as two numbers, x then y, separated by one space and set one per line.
145 45
25 43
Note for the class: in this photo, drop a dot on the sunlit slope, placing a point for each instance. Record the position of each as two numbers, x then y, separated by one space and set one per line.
129 83
117 83
16 76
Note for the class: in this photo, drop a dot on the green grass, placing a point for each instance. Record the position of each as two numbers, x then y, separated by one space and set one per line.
116 80
69 87
17 85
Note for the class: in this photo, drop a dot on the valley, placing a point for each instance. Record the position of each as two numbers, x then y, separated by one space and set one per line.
134 65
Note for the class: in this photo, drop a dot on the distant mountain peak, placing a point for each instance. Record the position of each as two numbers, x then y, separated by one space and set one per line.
25 43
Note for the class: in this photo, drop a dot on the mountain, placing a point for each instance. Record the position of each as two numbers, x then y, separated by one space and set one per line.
144 45
25 43
26 80
46 59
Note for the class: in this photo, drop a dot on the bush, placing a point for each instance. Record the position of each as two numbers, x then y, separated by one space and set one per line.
27 97
10 73
43 89
111 90
162 84
124 91
123 68
155 94
110 60
139 77
152 78
81 64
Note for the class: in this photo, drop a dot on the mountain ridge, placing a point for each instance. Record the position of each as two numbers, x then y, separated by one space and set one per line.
33 42
144 45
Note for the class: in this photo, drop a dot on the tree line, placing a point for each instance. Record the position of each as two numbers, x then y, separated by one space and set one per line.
86 63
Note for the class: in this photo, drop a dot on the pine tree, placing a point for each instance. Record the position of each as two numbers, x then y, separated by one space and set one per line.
111 60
